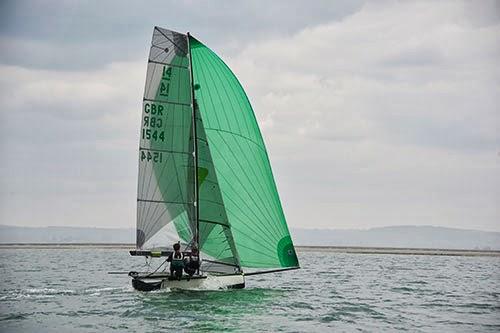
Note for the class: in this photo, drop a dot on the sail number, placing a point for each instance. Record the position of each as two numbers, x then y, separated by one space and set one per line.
152 122
149 134
148 156
165 81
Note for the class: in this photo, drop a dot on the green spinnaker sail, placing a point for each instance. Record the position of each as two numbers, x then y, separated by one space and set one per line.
242 167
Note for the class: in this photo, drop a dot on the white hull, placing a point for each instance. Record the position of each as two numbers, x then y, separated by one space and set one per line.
210 282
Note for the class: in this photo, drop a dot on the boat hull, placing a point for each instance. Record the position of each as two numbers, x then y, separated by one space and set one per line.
211 282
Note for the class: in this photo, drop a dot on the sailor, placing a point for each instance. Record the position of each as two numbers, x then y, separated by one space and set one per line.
192 262
176 262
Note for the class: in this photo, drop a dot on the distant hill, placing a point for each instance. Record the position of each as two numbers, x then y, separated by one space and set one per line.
398 236
12 234
401 236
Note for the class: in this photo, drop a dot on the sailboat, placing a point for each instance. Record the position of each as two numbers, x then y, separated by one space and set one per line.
205 179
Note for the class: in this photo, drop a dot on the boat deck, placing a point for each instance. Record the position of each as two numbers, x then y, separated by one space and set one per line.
163 275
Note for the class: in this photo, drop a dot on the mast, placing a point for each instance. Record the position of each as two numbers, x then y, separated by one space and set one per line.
195 151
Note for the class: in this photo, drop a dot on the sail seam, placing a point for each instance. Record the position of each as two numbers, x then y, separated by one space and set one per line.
214 222
215 74
236 134
163 201
165 151
268 214
166 63
166 102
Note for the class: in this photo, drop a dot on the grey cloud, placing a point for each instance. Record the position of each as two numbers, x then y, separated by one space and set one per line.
81 35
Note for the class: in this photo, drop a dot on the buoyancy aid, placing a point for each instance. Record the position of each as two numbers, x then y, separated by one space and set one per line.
177 260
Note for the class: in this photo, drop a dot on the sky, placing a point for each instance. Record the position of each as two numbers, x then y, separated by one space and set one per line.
374 113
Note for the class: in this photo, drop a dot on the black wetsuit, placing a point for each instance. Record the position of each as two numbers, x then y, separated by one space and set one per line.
192 264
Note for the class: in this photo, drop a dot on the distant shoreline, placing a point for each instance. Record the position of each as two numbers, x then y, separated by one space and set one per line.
332 249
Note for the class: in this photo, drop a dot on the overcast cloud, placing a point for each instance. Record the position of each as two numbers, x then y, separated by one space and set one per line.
374 114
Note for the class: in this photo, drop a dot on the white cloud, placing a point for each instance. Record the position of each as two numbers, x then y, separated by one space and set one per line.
387 117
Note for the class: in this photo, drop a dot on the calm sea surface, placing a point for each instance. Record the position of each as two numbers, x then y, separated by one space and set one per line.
69 291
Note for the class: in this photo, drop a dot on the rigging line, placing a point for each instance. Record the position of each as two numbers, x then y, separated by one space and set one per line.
227 232
220 99
272 271
269 215
195 147
184 136
230 239
183 50
219 263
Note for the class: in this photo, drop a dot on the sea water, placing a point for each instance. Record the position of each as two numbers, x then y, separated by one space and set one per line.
69 290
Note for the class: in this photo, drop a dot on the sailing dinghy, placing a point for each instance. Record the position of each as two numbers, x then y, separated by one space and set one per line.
204 174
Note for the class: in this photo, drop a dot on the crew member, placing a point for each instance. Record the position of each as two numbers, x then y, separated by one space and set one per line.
192 262
176 262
